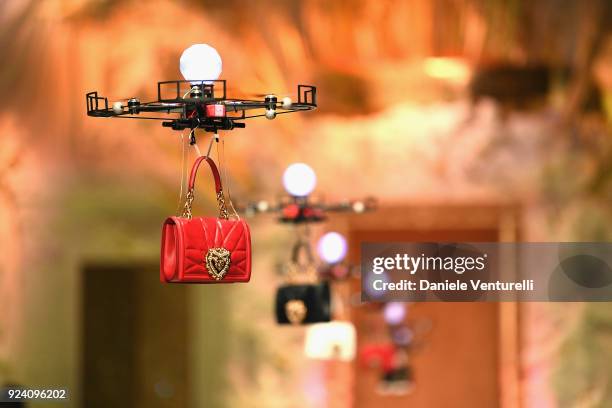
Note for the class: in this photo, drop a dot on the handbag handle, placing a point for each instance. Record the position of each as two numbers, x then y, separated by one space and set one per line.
218 188
301 273
301 246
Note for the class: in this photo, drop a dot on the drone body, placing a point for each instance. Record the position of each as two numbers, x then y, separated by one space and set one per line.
200 104
200 101
299 180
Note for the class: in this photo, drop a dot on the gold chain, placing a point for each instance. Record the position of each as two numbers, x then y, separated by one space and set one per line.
222 208
188 203
300 274
223 213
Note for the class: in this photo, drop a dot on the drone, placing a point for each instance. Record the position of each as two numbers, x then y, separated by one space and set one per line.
300 210
299 180
196 103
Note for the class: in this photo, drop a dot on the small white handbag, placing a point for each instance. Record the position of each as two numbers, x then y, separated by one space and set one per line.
330 341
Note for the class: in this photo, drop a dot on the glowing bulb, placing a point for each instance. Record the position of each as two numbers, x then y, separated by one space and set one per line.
358 206
118 108
287 102
332 247
395 312
299 179
263 206
200 62
270 114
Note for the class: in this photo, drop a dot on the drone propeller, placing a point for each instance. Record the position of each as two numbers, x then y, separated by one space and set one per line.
255 94
269 99
263 95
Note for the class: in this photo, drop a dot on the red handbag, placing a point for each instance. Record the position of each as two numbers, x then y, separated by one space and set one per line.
205 249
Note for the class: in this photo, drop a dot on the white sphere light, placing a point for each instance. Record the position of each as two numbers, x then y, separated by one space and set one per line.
200 62
332 247
270 114
263 206
299 179
358 206
118 108
395 312
287 102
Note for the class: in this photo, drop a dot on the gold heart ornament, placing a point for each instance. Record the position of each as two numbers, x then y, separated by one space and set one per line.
218 262
295 310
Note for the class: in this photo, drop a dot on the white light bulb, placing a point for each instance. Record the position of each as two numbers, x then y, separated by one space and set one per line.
287 102
263 206
299 179
332 247
270 114
118 108
200 62
358 206
395 312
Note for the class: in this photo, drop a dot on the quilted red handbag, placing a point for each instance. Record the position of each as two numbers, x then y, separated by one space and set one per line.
205 249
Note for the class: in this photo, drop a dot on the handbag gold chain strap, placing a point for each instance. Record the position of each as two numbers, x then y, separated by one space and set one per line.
298 274
223 213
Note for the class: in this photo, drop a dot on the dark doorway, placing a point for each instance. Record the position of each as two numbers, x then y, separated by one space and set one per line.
134 338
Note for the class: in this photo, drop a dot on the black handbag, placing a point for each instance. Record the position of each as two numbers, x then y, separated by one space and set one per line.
302 300
301 304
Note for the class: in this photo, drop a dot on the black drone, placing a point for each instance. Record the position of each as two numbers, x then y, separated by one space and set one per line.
299 210
201 105
298 207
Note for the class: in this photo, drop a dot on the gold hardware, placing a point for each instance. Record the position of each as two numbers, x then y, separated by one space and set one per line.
222 208
223 213
295 310
217 262
301 274
188 203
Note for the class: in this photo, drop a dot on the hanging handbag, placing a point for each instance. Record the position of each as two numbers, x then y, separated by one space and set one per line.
300 304
382 355
205 249
302 300
331 341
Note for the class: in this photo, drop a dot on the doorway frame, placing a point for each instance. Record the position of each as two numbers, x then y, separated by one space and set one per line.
502 217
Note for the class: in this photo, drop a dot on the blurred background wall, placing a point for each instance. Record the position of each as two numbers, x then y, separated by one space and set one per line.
421 103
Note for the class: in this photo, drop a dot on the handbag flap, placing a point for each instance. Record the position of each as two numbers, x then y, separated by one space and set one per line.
314 298
201 234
